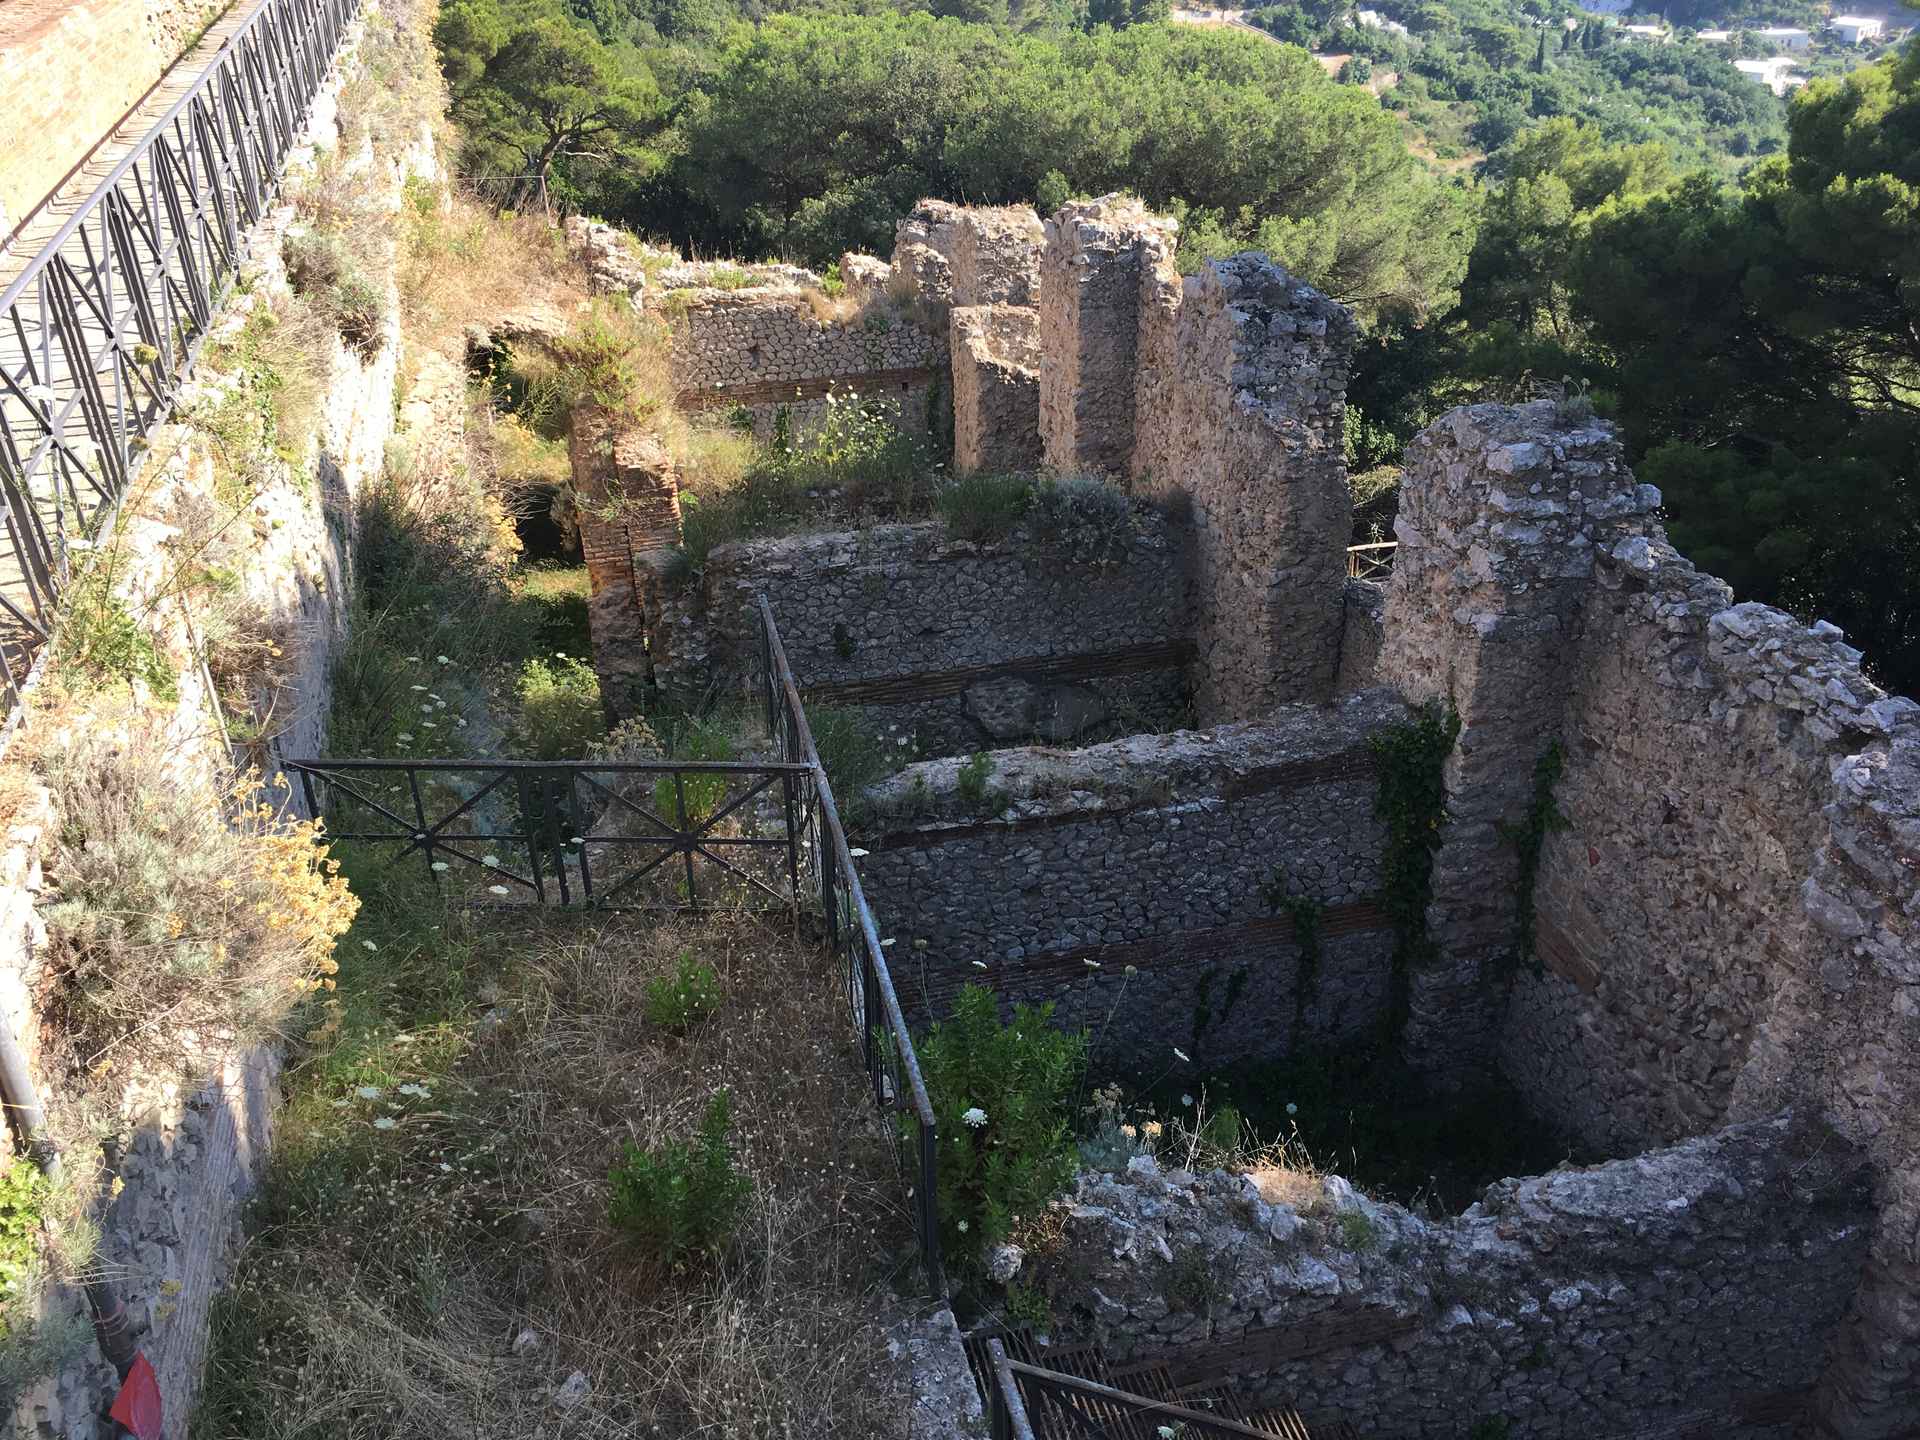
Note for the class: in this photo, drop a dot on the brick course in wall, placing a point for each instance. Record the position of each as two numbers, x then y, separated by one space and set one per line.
1127 883
923 630
69 70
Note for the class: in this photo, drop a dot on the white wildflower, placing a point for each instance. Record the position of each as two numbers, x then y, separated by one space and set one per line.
368 1092
368 945
498 890
1186 1099
963 1227
973 1116
442 660
1091 964
979 964
489 859
1182 1055
857 853
439 864
412 1089
385 1122
1292 1109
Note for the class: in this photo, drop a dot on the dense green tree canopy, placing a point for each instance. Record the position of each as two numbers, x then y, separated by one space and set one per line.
814 132
1765 350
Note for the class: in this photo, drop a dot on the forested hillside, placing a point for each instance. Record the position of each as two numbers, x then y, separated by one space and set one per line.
1735 278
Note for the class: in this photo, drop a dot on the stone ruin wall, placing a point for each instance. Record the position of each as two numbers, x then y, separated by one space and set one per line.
996 389
1502 512
1225 391
769 351
1247 424
1127 883
960 644
1726 922
1686 1292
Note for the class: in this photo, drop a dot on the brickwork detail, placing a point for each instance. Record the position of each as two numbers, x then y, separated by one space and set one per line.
628 501
1126 883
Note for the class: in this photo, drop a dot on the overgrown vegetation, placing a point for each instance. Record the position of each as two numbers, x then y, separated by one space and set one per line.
678 1199
1412 799
984 507
176 907
680 1001
1003 1100
560 715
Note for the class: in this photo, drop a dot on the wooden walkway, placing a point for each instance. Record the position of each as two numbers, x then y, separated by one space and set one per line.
39 226
90 362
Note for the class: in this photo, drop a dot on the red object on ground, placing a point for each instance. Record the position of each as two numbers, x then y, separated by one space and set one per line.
137 1406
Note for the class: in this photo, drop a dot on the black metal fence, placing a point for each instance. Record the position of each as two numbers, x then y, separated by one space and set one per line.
667 835
1031 1402
104 324
827 863
664 835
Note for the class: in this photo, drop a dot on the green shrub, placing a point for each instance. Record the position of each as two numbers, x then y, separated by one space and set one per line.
560 716
22 1190
703 740
322 271
680 1001
173 896
859 450
984 507
1085 519
853 756
100 639
680 1199
972 780
1003 1107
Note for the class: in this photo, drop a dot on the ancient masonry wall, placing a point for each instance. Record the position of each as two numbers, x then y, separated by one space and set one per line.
68 73
1090 280
1362 633
959 643
1502 511
767 350
1131 885
628 504
1727 921
192 1153
1686 1292
1247 425
996 389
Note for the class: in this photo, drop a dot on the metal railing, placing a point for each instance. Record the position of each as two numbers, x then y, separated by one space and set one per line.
1371 562
105 323
886 1046
639 835
1030 1402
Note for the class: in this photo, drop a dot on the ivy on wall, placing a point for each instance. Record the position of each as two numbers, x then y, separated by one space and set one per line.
1543 817
1412 800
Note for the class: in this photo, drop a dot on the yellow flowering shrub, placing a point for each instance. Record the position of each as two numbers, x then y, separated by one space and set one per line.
180 905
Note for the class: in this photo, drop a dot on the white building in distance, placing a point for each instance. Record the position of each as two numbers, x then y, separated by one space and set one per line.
1853 29
1787 37
1773 73
1655 34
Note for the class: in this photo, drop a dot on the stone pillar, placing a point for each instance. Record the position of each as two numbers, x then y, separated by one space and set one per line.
628 501
1244 400
996 256
996 388
1501 510
1089 322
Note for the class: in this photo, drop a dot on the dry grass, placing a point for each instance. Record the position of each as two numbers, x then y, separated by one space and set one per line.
186 915
462 257
397 1265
